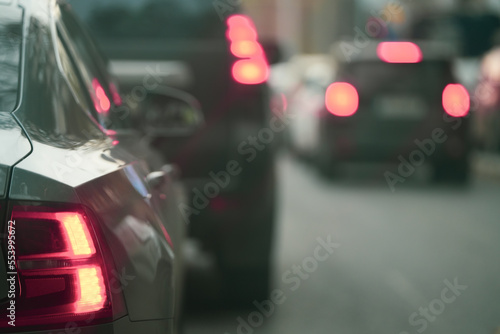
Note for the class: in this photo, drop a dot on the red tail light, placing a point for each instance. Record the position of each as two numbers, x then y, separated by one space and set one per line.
250 71
342 99
246 49
60 269
456 100
101 100
399 52
252 67
241 28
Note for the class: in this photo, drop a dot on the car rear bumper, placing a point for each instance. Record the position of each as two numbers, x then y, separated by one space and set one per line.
353 140
120 326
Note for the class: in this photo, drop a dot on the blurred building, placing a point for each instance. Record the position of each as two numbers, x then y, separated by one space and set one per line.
311 26
303 26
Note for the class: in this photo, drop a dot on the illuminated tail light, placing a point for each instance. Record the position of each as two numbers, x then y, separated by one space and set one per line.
61 276
342 99
399 52
252 67
241 28
250 71
246 49
92 291
101 100
456 100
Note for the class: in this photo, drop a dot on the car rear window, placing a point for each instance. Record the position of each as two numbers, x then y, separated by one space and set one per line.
182 20
10 55
375 76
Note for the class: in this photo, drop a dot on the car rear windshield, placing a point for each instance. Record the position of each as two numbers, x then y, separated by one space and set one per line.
181 20
10 54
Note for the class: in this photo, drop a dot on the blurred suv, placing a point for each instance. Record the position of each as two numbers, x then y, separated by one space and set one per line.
390 102
186 45
89 230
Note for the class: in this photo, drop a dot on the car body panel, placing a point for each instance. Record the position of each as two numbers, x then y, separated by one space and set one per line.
15 146
73 161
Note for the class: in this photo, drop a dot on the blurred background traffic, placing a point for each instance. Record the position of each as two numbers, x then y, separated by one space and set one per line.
347 175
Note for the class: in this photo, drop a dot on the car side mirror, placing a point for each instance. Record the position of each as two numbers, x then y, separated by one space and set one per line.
171 112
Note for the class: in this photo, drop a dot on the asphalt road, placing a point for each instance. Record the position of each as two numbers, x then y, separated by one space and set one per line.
422 259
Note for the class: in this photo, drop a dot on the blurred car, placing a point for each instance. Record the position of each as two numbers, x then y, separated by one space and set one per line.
390 102
487 93
313 73
90 233
187 45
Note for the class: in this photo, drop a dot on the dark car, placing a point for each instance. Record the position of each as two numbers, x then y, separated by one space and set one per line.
89 230
395 102
229 169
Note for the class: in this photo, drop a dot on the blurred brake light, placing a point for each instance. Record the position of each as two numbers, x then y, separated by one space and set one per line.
456 100
60 270
251 71
399 52
342 99
246 49
241 28
252 67
101 100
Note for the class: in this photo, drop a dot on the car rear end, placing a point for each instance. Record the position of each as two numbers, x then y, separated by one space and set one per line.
81 248
221 61
381 107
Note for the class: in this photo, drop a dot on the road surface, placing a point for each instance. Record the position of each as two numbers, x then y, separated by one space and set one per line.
422 259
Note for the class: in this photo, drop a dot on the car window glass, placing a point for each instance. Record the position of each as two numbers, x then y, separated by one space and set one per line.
54 110
10 53
92 66
71 75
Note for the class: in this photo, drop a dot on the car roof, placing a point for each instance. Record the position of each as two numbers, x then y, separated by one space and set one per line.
363 51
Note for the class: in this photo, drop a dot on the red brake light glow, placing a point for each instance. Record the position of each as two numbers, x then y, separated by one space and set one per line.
101 100
399 52
92 292
456 100
252 67
246 49
77 233
342 99
241 28
60 269
250 71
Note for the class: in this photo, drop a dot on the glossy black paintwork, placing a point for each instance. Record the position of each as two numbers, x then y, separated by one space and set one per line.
14 146
73 161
